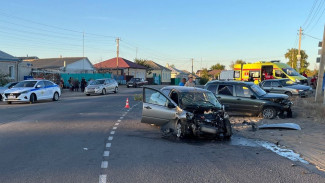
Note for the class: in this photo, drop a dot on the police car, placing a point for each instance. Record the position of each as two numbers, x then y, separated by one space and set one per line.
32 91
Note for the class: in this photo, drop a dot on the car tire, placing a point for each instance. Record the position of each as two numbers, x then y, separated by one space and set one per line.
104 91
227 127
32 98
135 86
9 103
289 113
56 96
268 113
180 130
116 90
288 93
88 94
127 86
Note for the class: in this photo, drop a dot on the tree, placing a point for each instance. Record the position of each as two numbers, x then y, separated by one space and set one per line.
3 79
217 67
204 76
144 63
236 62
292 56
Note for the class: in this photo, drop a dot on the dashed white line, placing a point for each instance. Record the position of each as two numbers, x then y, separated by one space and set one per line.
104 164
106 153
102 178
114 128
108 144
110 138
117 124
112 132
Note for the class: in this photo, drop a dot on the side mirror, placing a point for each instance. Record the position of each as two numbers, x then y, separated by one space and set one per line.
171 105
253 97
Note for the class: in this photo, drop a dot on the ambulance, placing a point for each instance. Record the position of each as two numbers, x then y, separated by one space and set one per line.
260 69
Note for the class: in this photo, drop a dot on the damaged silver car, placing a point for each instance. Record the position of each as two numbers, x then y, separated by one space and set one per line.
185 111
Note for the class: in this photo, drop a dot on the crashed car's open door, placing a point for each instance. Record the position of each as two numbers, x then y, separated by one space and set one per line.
157 108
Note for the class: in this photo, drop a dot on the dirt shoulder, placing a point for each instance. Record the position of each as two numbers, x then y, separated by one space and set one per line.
308 142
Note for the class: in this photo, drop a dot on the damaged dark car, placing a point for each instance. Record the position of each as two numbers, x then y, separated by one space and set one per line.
185 111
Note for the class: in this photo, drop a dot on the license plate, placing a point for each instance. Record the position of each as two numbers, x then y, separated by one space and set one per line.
11 97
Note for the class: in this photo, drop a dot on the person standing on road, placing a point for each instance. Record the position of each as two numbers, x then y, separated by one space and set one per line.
182 83
83 84
190 82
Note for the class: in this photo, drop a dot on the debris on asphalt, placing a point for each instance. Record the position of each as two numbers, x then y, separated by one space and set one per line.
291 126
85 148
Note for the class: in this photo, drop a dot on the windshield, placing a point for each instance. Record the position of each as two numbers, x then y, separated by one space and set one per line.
259 91
7 85
135 79
199 99
287 82
25 84
97 82
290 71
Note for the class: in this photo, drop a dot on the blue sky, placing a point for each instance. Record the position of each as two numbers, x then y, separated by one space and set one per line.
166 31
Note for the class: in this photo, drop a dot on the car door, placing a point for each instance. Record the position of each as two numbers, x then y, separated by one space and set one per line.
157 108
246 101
266 85
276 87
49 89
107 85
40 90
224 94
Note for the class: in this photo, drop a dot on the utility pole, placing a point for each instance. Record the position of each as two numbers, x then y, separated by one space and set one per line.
299 56
192 66
83 51
319 87
136 52
117 53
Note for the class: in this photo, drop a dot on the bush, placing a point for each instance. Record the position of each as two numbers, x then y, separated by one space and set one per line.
4 79
203 81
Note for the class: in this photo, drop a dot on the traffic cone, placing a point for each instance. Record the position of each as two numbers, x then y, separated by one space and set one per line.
127 103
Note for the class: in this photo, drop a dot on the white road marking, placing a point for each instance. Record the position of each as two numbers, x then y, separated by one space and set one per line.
108 144
117 124
110 138
102 178
121 117
114 128
104 164
106 153
119 120
112 132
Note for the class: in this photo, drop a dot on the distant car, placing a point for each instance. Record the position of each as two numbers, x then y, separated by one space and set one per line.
101 86
6 87
248 98
286 86
32 91
136 82
184 111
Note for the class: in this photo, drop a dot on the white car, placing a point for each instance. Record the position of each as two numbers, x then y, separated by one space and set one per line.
31 91
102 86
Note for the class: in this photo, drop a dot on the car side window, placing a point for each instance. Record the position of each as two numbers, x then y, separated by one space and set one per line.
267 84
275 84
225 90
212 88
41 83
48 83
155 97
243 91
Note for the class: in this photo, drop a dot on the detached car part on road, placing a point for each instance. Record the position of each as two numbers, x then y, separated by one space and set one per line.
102 86
32 91
248 98
184 111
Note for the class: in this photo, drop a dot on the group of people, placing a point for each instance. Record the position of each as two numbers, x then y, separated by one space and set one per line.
75 84
189 83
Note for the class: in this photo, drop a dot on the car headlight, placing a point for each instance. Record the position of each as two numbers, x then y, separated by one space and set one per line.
297 81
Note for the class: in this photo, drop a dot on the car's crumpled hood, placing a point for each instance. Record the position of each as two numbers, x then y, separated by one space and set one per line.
18 90
274 96
299 87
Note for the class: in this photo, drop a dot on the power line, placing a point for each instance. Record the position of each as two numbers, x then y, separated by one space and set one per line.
317 20
315 14
312 36
310 12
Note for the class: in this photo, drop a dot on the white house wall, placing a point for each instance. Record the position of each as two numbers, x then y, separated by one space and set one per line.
137 73
79 66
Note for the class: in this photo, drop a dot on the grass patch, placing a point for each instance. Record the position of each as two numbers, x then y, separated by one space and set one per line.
308 108
138 97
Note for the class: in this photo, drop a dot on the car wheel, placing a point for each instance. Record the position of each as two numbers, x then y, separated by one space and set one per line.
289 113
127 86
8 102
180 130
228 133
116 90
104 91
88 94
135 86
269 113
288 93
32 99
56 96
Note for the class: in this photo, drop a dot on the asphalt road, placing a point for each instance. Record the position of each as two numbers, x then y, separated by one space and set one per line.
94 139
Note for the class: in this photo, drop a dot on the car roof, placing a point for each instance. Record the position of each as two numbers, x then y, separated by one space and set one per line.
36 80
184 89
229 82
